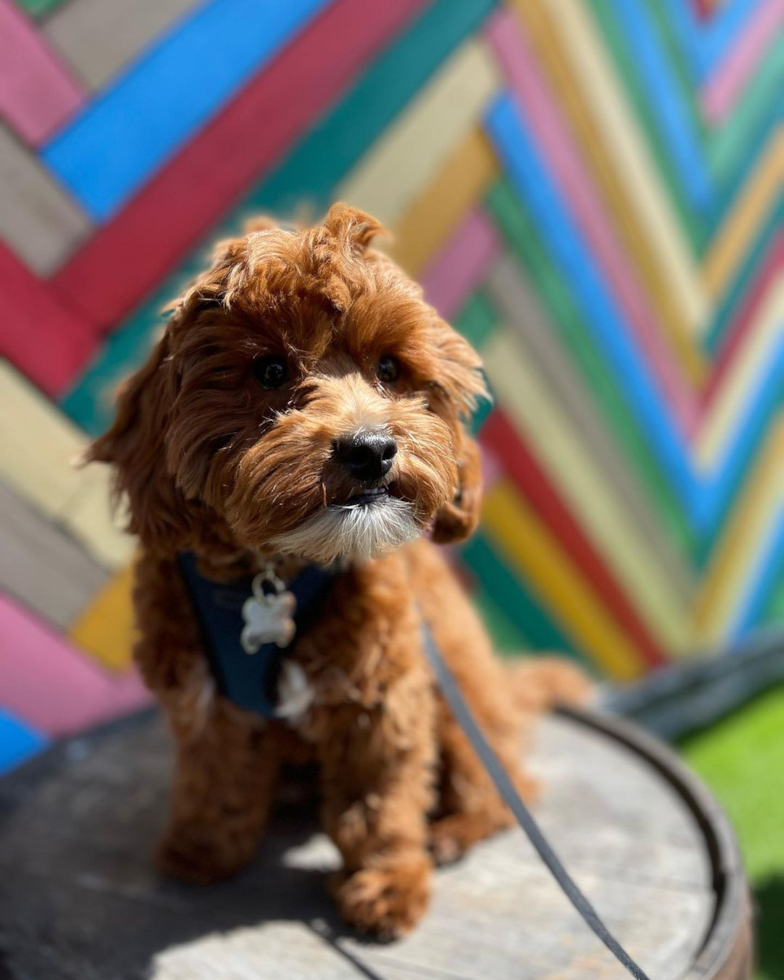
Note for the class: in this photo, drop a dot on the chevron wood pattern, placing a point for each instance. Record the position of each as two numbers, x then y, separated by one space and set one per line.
592 191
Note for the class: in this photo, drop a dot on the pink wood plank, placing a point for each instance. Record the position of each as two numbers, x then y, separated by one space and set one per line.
539 108
721 90
44 339
37 93
462 265
50 685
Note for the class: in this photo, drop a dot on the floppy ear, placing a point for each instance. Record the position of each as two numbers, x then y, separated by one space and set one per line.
458 519
459 388
135 447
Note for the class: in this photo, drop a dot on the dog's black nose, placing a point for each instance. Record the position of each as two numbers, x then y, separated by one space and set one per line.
368 455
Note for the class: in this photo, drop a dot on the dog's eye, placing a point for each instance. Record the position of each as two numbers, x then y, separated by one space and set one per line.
271 372
388 368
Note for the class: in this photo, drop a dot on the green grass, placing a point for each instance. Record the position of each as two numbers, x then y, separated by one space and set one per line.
742 760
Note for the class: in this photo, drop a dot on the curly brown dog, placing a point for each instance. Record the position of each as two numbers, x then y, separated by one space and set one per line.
305 405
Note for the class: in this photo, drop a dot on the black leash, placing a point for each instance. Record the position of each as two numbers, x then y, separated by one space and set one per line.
510 796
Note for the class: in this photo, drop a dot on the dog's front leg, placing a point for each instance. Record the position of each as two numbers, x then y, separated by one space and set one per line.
378 771
225 774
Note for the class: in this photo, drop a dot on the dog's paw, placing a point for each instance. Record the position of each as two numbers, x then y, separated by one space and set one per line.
197 861
452 836
386 901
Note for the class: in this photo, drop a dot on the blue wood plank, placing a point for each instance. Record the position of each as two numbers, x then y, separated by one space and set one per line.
18 742
119 140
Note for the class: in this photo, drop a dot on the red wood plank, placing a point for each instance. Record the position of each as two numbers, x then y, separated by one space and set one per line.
125 259
767 276
44 339
501 438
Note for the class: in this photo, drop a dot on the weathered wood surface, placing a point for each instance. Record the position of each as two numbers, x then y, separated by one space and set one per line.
79 899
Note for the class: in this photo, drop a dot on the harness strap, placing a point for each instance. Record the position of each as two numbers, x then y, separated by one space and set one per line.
511 797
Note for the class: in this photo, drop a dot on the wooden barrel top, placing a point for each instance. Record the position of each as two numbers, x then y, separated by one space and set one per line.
80 900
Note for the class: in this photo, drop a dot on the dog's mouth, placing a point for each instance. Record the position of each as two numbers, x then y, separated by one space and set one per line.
367 498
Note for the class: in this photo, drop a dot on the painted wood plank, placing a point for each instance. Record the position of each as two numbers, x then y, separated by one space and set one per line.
742 316
532 182
39 8
182 203
723 86
41 566
417 143
49 685
120 140
435 212
581 482
567 168
617 148
37 453
516 301
37 93
462 265
532 483
105 626
39 221
733 560
748 214
743 381
100 37
18 742
705 44
38 333
669 111
535 554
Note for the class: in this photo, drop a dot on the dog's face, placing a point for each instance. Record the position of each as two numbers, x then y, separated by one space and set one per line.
304 400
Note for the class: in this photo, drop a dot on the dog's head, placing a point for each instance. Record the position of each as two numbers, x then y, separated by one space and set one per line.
304 399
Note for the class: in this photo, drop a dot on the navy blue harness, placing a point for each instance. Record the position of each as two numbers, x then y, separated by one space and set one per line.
249 680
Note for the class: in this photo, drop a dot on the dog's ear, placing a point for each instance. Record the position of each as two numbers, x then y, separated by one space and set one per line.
458 519
135 447
352 226
459 387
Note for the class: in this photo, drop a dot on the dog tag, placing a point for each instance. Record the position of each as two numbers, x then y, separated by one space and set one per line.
268 614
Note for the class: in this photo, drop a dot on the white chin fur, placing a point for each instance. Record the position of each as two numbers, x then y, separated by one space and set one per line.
362 531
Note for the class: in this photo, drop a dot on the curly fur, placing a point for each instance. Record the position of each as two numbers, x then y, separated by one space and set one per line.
212 462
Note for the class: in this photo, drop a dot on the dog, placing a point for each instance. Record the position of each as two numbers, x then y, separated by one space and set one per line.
305 408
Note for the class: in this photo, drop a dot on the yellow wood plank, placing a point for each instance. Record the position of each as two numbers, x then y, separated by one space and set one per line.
745 536
38 447
574 470
749 212
536 556
105 628
436 211
740 384
618 153
414 148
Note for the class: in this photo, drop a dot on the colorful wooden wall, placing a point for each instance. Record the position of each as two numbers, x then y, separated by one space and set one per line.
590 189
